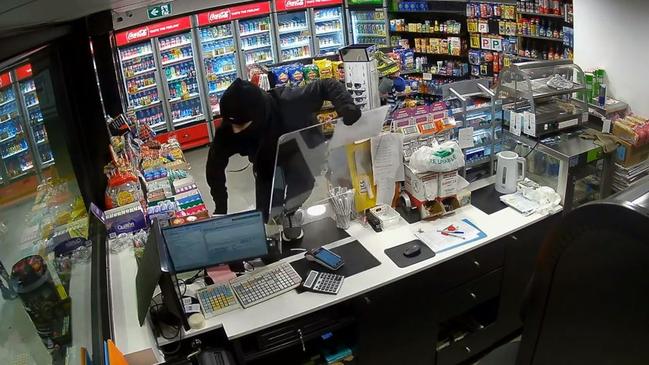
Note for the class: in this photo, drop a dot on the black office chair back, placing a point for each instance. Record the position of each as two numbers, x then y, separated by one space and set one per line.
589 297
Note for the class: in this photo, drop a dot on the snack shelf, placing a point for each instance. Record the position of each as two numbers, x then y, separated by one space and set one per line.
560 40
177 60
179 45
152 104
540 14
433 34
138 55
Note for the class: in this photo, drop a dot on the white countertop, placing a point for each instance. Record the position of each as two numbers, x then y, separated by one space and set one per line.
131 338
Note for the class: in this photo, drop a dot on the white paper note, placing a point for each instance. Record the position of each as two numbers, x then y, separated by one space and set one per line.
387 157
515 123
465 137
530 124
369 125
384 192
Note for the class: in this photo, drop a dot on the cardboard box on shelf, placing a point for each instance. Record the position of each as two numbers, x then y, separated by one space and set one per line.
628 154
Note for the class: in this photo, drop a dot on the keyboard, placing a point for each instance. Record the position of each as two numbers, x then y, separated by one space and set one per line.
217 299
265 283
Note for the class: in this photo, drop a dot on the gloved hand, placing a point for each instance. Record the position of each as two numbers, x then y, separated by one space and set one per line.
350 114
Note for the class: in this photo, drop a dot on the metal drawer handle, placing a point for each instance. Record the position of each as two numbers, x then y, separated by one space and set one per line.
467 348
476 263
473 296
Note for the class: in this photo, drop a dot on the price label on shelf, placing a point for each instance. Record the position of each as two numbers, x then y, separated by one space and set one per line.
427 76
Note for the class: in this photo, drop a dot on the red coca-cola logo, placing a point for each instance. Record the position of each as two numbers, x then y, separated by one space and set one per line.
293 3
140 33
216 16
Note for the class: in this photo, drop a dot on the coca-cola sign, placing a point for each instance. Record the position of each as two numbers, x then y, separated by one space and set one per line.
234 12
285 5
137 34
152 30
219 16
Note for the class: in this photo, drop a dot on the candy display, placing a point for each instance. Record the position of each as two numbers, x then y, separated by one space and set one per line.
449 45
541 6
436 26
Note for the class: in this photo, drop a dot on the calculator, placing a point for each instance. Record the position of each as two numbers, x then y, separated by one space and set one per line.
217 299
323 282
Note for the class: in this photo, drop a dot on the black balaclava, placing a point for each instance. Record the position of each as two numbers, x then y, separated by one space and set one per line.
243 102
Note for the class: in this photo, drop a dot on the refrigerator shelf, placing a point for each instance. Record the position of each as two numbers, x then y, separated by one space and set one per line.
143 88
256 47
156 125
186 120
9 118
332 31
138 55
370 21
33 105
37 121
25 172
172 79
136 74
259 62
152 104
371 35
7 102
180 98
330 45
293 30
15 153
29 91
295 45
253 33
217 91
179 45
41 141
297 58
228 72
215 55
48 163
208 40
177 60
327 19
10 137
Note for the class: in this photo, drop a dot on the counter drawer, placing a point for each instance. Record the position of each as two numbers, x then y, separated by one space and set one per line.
464 268
467 296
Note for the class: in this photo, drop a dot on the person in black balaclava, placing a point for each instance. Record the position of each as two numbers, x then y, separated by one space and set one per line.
253 120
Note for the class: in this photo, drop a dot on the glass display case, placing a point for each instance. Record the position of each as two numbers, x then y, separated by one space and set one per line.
472 104
218 48
329 30
576 168
551 92
369 26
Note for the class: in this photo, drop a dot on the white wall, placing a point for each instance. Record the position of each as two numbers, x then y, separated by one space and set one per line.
614 35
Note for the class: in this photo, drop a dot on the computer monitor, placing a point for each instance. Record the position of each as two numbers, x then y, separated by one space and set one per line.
154 269
215 241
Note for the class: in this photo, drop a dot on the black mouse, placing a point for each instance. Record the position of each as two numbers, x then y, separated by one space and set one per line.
412 250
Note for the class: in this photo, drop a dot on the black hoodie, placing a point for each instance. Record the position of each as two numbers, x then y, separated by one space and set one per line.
274 113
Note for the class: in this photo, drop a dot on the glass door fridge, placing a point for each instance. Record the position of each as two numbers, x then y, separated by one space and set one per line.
328 26
178 72
15 152
294 35
34 117
220 62
143 93
369 26
256 41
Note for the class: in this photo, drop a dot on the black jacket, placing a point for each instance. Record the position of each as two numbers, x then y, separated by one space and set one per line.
286 109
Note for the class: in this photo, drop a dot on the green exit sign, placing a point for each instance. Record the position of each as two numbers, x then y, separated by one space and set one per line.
159 11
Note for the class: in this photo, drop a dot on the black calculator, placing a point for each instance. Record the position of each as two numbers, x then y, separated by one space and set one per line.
323 282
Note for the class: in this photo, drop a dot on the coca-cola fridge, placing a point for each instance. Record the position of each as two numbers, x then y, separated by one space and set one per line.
368 22
160 77
232 39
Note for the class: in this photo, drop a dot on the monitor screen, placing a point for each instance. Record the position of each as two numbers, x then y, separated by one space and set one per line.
216 241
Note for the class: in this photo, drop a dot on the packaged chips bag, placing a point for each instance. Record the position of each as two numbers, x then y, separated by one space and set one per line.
325 68
311 73
338 70
296 74
281 75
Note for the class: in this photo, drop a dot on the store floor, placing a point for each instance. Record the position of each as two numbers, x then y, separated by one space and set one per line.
240 180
